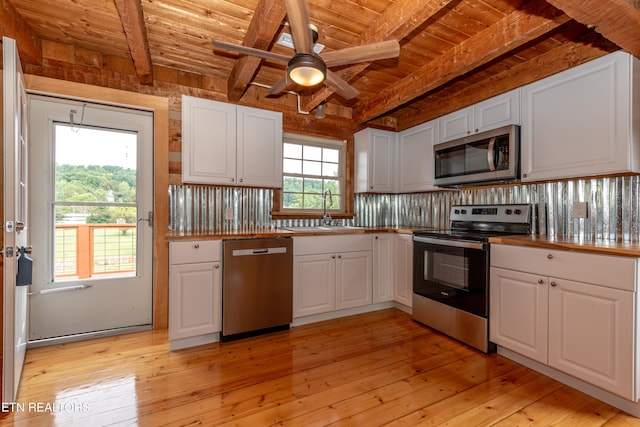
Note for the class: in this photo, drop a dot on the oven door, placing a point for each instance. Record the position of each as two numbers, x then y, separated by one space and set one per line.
453 272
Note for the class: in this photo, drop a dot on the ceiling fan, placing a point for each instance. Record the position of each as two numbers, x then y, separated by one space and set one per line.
307 68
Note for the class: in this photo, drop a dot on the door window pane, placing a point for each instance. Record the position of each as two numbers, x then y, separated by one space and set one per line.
95 213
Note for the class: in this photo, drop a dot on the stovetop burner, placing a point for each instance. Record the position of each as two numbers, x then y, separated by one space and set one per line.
480 222
478 236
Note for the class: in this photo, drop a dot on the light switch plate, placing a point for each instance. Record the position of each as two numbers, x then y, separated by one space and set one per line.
579 210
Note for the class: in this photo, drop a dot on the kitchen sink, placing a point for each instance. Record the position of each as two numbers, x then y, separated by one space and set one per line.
322 228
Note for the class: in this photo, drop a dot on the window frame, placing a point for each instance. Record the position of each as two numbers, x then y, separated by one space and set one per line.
343 166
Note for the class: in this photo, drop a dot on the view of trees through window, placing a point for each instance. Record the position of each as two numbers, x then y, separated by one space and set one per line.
95 206
309 171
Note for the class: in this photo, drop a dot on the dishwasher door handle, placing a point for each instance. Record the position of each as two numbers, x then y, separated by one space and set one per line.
259 251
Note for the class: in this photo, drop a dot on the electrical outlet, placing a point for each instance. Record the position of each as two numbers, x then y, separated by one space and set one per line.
579 209
228 214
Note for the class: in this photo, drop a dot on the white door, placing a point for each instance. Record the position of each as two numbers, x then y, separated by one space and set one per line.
15 230
91 174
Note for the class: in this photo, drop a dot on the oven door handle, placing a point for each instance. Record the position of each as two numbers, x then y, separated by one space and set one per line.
454 243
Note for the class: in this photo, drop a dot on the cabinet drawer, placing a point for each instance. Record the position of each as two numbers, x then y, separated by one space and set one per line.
308 245
604 270
195 251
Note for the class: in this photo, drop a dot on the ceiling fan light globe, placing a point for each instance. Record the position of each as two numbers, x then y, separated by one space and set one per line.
306 70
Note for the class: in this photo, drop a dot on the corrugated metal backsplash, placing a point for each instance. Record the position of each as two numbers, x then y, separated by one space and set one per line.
613 208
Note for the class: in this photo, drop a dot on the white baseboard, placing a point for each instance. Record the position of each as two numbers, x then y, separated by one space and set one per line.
193 341
299 321
621 403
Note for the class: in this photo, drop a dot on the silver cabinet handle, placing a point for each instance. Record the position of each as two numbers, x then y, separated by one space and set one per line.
216 266
241 180
540 281
196 246
554 284
233 180
333 257
339 256
549 256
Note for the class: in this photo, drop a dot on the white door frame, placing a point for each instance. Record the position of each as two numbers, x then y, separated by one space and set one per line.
160 107
101 306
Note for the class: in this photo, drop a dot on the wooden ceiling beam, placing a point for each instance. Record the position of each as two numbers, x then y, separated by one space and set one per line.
135 30
617 20
13 25
565 56
263 27
397 22
533 20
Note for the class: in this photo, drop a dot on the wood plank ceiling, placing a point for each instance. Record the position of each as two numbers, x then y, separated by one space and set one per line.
453 52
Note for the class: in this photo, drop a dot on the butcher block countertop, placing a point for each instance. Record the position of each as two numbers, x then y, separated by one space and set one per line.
605 247
265 233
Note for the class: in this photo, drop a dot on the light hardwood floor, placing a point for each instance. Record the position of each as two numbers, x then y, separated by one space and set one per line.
374 369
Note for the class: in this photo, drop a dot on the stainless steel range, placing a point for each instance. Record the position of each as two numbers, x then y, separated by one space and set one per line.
451 270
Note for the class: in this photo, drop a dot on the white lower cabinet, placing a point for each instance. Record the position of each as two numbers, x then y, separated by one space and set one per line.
354 279
383 271
331 273
195 292
571 311
403 269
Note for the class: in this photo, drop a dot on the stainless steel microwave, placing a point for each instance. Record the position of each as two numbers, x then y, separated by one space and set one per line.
491 156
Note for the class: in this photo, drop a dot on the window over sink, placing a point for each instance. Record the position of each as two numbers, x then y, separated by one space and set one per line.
313 174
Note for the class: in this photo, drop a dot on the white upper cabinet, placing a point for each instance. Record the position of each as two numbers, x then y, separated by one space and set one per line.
230 144
374 157
580 122
490 114
415 157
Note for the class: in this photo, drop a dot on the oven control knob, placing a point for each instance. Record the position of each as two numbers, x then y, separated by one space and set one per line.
517 211
463 211
456 211
508 211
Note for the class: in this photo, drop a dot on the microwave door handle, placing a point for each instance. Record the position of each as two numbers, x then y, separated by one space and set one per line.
491 154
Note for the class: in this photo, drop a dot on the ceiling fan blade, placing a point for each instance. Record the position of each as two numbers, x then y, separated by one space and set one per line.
364 53
280 86
341 87
298 15
250 51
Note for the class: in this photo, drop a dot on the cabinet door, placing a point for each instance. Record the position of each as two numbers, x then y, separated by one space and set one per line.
208 141
456 125
415 157
576 123
259 147
501 110
374 158
518 312
403 270
354 279
591 334
383 267
195 300
314 284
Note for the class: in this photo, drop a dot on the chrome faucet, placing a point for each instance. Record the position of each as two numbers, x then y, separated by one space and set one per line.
326 217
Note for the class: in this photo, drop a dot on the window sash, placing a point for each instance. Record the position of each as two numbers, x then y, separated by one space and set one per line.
340 178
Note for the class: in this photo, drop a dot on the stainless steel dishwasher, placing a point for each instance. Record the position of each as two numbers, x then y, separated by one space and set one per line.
257 286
